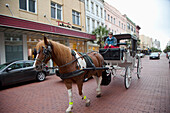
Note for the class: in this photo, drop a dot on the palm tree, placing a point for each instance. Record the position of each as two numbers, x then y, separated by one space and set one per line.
100 33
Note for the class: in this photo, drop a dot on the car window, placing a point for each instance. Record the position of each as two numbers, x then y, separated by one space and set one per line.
29 64
16 66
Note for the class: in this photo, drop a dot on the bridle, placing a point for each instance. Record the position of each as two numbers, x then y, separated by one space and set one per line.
47 51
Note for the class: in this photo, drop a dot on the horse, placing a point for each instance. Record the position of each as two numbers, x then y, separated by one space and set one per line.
68 64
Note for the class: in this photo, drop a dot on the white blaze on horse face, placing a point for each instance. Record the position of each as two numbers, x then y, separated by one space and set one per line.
35 60
81 61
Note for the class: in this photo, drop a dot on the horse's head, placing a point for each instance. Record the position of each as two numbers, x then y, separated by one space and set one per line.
44 53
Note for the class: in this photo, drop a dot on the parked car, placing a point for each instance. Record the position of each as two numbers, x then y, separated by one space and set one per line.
20 71
154 56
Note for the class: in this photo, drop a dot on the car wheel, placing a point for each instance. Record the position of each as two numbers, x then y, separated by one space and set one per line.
41 76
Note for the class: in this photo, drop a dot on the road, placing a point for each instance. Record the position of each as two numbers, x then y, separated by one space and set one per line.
150 94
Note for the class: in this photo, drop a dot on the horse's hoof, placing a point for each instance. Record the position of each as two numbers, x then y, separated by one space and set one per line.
88 104
98 96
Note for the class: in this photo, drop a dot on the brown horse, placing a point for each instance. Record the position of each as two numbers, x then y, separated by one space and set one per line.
68 63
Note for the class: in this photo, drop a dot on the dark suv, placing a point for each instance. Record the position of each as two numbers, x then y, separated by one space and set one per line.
20 71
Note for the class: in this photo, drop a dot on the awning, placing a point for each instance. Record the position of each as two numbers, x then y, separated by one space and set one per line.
21 24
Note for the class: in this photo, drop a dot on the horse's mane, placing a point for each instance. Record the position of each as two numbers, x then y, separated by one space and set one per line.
60 50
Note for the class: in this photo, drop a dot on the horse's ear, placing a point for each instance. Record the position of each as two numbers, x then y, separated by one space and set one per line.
45 40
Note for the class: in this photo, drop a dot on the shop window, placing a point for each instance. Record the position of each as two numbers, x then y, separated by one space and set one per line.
56 11
13 47
28 5
76 17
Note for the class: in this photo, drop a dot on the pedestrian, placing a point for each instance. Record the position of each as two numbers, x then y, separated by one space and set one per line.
111 41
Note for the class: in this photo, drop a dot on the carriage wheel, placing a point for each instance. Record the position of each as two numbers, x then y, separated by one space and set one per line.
127 77
139 67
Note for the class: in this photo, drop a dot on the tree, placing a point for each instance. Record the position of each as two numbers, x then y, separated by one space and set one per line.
100 33
167 49
155 49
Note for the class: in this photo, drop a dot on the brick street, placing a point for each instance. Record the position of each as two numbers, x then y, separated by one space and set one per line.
150 94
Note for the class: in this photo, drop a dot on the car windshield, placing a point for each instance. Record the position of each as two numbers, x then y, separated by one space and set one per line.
154 53
4 65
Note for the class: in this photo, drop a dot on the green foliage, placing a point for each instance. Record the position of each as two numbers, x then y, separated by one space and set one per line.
100 33
167 49
155 50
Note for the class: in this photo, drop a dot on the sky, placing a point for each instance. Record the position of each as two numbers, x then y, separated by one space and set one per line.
153 16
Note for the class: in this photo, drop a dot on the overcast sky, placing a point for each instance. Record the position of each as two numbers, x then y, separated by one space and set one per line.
153 16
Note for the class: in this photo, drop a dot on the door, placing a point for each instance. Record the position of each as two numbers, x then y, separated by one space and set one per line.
14 73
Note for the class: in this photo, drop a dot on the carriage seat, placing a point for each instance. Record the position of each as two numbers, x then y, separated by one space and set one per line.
112 53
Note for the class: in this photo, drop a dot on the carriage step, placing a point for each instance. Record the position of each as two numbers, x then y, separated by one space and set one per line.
96 68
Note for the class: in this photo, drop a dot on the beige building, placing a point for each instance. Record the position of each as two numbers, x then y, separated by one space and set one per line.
24 22
53 12
145 42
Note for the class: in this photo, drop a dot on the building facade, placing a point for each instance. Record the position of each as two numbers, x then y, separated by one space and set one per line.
94 10
156 44
24 22
145 42
114 21
131 26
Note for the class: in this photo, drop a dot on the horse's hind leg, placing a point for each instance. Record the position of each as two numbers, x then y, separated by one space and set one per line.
80 86
98 80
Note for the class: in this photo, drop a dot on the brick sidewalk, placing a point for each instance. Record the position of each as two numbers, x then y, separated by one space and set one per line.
150 94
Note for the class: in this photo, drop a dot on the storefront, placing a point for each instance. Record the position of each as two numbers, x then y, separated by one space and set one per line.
19 37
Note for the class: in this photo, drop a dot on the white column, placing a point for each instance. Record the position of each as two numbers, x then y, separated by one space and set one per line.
25 49
2 48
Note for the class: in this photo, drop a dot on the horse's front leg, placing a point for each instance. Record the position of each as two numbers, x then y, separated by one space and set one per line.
70 107
70 96
80 86
98 89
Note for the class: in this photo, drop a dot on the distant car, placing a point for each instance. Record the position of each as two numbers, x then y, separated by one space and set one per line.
154 56
20 71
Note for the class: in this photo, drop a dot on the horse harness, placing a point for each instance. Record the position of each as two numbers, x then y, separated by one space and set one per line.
48 51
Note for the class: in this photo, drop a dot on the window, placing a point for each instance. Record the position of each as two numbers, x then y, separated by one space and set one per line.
88 25
56 11
87 5
76 17
93 24
28 5
97 12
105 14
98 24
128 25
108 17
101 10
16 66
114 21
111 19
119 23
122 25
131 28
92 7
